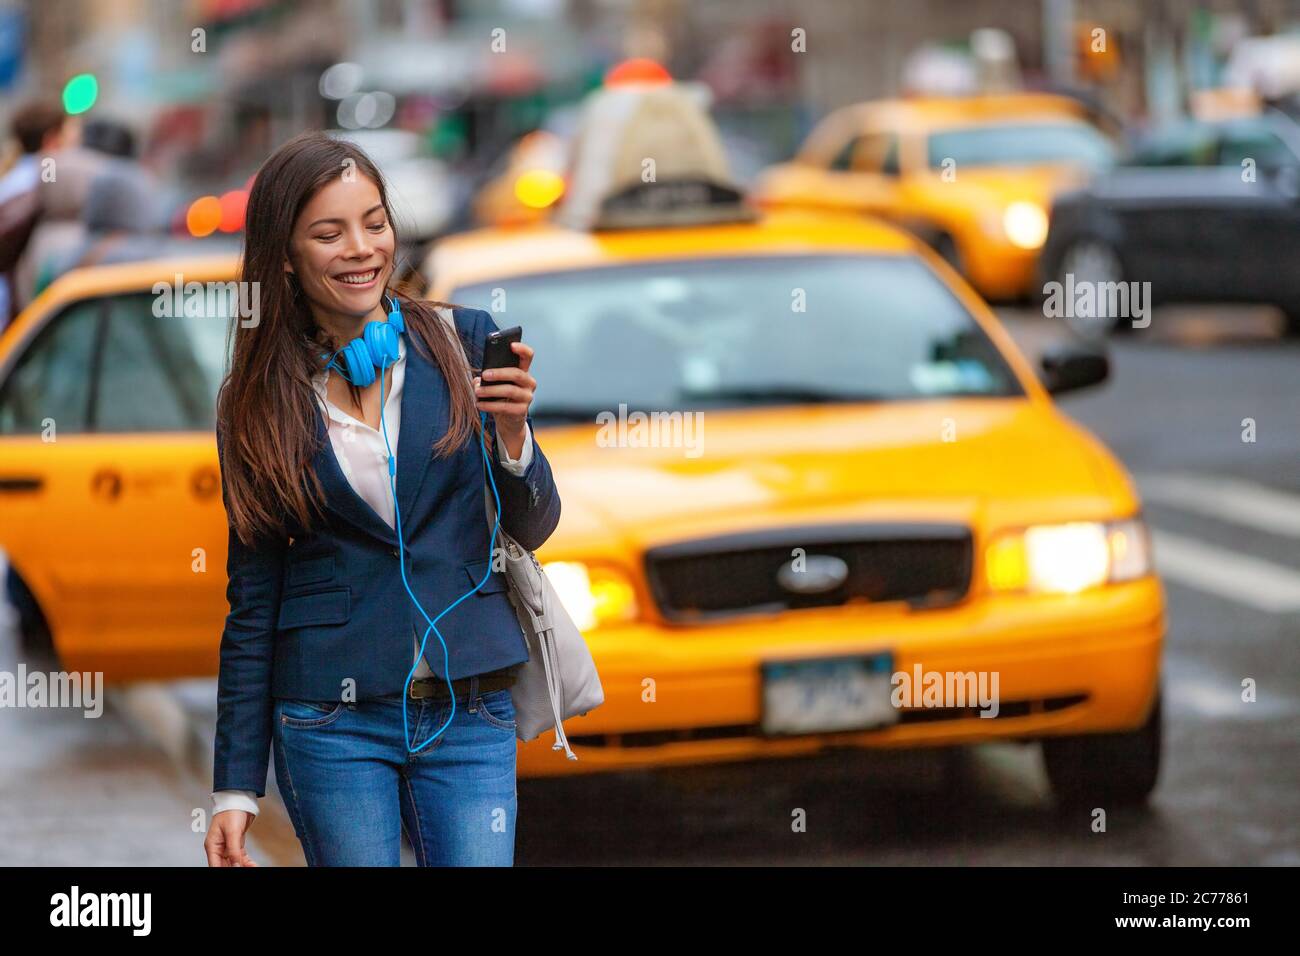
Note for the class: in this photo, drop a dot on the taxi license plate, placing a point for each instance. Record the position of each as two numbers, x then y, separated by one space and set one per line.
824 694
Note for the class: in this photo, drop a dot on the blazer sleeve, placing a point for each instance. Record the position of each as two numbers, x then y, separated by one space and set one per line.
244 704
530 502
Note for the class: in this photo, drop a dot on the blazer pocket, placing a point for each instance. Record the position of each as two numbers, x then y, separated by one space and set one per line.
321 607
496 580
311 571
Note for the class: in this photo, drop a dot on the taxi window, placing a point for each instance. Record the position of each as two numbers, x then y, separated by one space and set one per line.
1021 144
52 379
158 373
1261 145
878 152
843 160
746 331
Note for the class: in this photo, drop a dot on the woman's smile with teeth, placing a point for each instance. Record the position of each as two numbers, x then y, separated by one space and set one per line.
358 278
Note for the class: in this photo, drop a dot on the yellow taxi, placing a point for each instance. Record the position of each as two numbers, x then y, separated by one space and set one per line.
109 488
812 490
972 176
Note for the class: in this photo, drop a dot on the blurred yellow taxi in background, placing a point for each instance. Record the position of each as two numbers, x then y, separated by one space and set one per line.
529 185
973 176
798 456
109 484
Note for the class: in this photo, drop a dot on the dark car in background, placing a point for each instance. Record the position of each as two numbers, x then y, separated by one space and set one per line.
1204 212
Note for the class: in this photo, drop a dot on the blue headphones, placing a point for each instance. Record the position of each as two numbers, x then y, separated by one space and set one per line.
378 346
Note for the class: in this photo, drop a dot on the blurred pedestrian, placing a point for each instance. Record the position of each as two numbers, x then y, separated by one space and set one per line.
60 226
110 137
122 223
40 127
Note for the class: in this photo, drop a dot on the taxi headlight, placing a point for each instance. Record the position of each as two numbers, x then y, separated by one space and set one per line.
1068 558
1025 224
592 594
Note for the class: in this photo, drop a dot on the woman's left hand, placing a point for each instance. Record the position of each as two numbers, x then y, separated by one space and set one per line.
509 392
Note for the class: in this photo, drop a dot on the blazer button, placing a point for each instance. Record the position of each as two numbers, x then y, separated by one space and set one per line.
395 553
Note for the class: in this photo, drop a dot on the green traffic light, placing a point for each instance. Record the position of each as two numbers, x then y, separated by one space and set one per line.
80 93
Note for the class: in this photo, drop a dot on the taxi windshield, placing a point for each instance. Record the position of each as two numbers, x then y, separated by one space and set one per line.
708 333
1021 145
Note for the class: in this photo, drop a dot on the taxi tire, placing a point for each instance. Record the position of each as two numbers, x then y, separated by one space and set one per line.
1101 254
1291 320
1106 769
34 635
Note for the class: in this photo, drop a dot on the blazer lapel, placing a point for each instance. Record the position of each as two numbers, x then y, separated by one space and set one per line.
339 494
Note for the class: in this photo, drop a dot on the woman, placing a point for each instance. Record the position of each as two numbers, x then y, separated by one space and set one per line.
381 721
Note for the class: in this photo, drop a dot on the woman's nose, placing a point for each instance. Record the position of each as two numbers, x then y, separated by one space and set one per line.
359 244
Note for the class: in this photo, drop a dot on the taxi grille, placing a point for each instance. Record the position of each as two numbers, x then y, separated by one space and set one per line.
927 565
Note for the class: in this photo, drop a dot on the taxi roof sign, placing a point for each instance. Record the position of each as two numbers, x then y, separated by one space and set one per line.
645 156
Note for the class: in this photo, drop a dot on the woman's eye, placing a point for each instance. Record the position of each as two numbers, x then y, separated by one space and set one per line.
328 238
379 227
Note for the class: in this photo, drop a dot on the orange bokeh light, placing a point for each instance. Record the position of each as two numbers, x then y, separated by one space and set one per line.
233 206
637 70
204 216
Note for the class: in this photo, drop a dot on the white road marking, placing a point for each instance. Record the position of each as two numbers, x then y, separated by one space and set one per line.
1230 574
1230 499
1218 697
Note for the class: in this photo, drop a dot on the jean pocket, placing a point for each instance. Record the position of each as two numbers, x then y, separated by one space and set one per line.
309 713
497 708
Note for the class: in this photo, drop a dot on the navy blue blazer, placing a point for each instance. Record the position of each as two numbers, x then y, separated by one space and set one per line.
308 617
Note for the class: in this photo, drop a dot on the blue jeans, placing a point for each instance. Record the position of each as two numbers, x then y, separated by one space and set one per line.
352 788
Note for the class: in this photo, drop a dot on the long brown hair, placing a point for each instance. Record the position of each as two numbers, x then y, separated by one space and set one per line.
266 408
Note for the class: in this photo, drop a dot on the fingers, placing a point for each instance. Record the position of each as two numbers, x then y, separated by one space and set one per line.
509 393
212 847
515 376
225 842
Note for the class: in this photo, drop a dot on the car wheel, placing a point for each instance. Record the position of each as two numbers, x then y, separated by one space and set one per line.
1291 320
1106 769
1094 261
33 630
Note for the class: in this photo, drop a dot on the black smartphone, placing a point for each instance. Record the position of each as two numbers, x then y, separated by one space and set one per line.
498 354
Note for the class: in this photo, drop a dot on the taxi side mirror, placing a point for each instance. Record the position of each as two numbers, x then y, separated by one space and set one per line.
1073 366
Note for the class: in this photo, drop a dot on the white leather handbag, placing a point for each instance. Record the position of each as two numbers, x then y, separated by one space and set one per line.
559 679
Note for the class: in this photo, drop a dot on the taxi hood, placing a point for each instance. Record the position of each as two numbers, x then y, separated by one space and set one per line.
963 460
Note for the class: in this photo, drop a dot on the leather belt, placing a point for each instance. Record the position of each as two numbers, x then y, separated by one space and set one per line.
435 688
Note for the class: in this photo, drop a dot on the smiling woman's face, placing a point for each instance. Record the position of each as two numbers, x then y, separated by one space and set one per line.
342 249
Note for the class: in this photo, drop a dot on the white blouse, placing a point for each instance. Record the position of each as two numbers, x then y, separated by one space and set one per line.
363 458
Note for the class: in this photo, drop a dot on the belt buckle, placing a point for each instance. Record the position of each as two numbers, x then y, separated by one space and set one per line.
421 688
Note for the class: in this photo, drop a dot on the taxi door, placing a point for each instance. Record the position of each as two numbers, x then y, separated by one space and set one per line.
109 486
